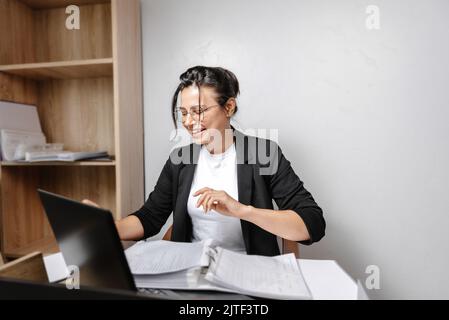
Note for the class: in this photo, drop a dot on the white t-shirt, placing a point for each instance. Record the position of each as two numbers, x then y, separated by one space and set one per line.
219 172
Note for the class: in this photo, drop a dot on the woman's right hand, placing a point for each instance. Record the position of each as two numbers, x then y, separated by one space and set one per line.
90 203
129 228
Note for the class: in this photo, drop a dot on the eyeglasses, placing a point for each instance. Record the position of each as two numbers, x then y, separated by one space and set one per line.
196 112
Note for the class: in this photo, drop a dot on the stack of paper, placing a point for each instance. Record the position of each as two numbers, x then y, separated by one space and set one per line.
21 137
14 142
63 156
276 277
19 125
204 266
170 265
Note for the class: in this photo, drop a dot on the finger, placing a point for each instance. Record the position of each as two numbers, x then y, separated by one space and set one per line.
90 203
219 198
200 191
210 200
214 200
214 204
205 202
201 199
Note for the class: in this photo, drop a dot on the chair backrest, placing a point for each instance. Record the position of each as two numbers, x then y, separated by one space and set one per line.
290 246
287 246
30 267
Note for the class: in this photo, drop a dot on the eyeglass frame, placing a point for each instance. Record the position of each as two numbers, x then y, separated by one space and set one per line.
201 111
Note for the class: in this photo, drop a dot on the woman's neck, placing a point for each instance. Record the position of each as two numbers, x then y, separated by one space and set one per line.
227 139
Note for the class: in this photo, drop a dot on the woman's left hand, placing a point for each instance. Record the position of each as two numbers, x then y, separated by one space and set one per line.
219 201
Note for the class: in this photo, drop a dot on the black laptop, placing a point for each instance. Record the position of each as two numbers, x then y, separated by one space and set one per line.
16 289
88 239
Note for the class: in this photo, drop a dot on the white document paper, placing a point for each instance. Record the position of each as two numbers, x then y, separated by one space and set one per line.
327 280
361 293
276 277
69 156
156 257
16 116
56 267
191 279
13 140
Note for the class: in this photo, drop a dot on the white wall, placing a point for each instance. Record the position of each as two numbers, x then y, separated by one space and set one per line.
363 116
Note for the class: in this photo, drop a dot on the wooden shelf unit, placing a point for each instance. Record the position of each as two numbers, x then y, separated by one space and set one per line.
87 86
50 4
93 68
46 245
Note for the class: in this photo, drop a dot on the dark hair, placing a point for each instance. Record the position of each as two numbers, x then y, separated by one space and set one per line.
223 81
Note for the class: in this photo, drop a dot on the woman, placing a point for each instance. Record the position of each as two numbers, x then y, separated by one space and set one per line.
222 185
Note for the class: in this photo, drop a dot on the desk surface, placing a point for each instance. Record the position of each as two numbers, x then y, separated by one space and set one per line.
325 279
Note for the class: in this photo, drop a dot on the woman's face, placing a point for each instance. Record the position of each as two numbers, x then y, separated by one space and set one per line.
214 118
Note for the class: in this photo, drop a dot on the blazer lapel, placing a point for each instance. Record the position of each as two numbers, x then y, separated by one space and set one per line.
244 179
185 178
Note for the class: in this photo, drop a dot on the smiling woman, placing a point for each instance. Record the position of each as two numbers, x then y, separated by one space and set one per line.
220 186
208 96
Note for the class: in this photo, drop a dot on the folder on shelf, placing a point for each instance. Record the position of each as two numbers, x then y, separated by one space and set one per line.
17 116
14 142
23 121
63 156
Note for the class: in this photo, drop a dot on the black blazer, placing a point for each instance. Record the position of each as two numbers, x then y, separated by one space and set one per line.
263 174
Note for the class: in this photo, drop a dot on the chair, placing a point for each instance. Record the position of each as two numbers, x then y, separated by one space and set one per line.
30 267
287 246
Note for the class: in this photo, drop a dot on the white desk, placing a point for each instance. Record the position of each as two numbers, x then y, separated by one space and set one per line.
325 278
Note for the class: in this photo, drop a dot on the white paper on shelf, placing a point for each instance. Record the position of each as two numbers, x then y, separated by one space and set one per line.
12 141
69 156
16 116
74 156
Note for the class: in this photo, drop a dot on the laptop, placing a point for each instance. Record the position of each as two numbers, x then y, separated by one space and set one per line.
13 289
88 239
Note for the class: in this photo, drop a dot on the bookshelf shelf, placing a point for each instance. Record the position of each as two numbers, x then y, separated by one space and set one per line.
87 87
58 163
91 68
46 245
48 4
